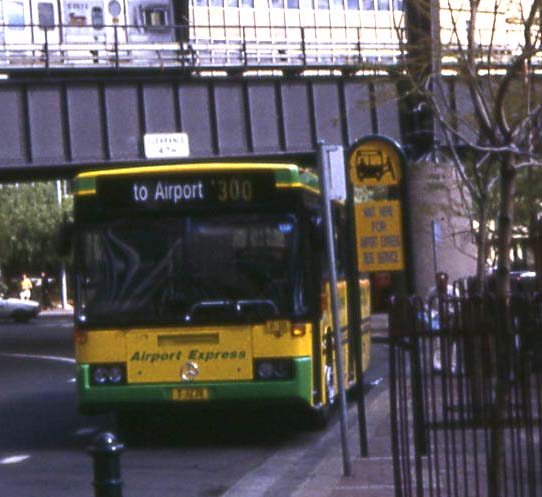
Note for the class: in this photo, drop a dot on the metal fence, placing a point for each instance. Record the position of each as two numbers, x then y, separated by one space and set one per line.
219 47
202 47
466 396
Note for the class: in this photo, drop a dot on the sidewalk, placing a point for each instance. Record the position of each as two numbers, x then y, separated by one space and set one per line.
371 476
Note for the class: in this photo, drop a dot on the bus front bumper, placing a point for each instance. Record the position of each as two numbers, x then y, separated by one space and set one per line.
97 399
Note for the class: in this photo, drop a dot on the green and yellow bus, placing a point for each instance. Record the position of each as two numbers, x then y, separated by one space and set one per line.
206 283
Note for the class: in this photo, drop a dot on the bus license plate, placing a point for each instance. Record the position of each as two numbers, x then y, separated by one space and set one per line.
187 394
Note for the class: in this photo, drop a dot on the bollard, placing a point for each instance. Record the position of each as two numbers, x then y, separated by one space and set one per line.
105 451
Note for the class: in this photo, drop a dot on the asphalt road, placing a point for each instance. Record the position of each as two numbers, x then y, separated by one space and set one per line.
43 440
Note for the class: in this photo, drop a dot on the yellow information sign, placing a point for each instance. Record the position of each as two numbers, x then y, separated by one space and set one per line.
379 237
375 162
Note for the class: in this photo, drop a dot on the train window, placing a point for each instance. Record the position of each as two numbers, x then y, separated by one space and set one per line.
247 3
46 15
155 17
292 4
277 4
114 8
368 5
323 4
399 5
97 17
14 12
217 3
338 4
306 4
383 4
352 4
232 3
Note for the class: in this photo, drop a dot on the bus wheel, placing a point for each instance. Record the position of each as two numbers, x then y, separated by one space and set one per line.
321 415
331 391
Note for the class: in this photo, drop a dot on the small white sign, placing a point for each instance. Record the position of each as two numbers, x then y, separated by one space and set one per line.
166 145
334 159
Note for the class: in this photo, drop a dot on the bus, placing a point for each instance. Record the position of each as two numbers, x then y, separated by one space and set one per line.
207 284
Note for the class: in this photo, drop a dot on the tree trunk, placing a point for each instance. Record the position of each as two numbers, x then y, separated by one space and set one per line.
504 337
481 255
504 228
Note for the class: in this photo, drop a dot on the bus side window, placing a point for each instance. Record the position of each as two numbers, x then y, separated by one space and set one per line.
14 15
46 15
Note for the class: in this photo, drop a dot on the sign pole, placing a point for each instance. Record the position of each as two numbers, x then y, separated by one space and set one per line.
375 237
355 324
323 168
434 239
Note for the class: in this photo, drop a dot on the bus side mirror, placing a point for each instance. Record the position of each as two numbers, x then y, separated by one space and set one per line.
65 237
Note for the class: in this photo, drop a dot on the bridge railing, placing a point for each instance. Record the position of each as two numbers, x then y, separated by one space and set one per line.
249 47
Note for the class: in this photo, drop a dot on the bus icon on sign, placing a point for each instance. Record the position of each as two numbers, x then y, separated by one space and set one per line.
373 164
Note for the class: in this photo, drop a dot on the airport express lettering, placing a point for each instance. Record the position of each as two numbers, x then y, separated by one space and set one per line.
193 355
163 191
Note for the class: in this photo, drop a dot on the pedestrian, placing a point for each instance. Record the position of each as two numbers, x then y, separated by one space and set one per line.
45 291
26 287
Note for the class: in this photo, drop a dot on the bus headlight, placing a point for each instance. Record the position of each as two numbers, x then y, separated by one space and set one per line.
273 369
116 375
108 374
99 376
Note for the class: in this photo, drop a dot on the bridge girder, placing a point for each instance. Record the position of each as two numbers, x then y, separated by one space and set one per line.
58 127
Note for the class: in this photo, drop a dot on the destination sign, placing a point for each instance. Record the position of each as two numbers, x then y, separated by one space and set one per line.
177 191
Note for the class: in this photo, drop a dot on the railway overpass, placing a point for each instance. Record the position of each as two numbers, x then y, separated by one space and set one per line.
57 123
61 120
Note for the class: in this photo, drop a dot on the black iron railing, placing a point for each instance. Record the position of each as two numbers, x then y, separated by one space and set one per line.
466 396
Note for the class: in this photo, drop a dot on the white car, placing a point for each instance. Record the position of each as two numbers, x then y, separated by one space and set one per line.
18 309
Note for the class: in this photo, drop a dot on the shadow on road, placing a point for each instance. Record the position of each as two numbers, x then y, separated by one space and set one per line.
202 427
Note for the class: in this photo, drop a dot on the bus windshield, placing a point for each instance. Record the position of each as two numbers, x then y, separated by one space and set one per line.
201 269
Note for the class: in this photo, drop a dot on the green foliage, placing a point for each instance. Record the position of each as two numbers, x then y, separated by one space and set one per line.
30 220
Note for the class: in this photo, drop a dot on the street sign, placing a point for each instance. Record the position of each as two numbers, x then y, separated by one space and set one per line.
166 145
375 161
379 236
333 157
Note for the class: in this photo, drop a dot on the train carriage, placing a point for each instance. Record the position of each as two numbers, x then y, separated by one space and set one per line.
220 32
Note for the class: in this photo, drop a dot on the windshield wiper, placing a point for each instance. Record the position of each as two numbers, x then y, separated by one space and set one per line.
237 307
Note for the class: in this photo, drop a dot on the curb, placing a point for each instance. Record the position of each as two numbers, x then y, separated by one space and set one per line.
55 314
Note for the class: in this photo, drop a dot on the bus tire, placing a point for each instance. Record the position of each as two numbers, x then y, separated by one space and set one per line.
322 414
320 417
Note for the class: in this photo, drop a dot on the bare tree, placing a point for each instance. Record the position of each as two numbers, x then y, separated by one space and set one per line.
480 86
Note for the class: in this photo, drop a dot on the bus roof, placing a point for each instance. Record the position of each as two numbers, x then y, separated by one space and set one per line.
286 175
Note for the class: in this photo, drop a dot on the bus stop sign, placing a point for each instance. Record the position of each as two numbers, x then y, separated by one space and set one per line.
375 161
